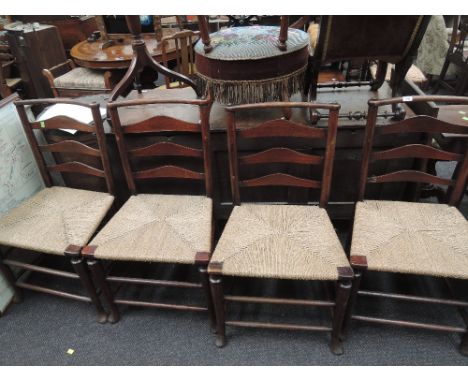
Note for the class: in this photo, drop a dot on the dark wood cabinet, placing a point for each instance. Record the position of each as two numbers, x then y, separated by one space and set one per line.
35 47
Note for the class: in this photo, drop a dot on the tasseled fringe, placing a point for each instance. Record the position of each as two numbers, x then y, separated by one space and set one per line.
242 92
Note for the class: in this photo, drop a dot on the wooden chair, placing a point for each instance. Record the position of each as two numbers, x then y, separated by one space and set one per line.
158 228
67 80
387 39
281 241
185 56
7 84
422 239
59 220
457 54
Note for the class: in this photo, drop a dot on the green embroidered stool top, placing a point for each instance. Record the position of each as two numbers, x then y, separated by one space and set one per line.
246 64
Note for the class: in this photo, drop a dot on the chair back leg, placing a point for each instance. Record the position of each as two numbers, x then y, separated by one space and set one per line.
85 279
97 271
218 301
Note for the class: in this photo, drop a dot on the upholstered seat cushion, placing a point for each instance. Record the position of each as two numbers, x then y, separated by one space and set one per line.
81 78
53 219
414 74
158 228
251 43
246 65
279 241
416 238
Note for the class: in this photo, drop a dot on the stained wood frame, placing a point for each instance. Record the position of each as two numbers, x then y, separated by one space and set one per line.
282 128
424 124
72 252
158 124
419 124
279 128
164 124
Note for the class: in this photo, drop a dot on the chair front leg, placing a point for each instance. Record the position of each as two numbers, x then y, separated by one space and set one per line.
218 300
343 290
74 253
209 300
98 273
359 265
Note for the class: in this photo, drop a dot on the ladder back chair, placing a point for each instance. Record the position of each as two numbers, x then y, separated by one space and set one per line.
59 220
185 56
421 239
158 228
289 242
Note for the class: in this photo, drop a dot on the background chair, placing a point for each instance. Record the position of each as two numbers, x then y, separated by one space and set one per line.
185 56
423 239
387 39
288 242
67 80
158 228
59 220
457 55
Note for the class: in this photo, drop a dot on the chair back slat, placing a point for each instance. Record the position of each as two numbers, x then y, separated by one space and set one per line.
159 126
409 176
168 172
70 146
280 155
77 167
280 179
166 148
421 124
425 129
161 123
282 129
416 150
61 122
82 153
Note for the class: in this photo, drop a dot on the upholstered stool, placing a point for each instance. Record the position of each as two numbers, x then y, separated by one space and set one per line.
246 64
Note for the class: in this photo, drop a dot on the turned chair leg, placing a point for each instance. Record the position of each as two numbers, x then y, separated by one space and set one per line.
209 300
97 271
11 279
85 279
352 300
218 300
343 290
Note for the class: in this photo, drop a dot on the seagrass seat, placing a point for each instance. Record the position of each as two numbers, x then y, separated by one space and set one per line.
158 227
162 228
280 241
59 220
413 238
53 219
268 240
405 237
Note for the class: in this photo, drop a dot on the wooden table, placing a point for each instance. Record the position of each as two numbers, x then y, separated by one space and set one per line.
117 56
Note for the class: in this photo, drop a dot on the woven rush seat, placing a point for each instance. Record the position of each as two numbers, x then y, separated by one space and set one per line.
81 78
157 228
53 219
246 65
415 238
279 241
